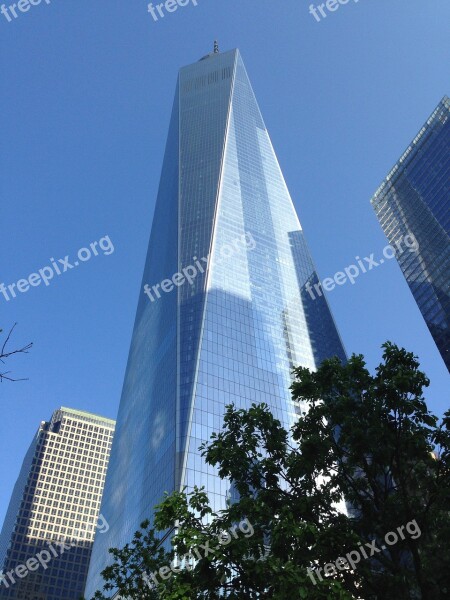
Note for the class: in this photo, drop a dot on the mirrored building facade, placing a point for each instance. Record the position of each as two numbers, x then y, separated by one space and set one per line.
224 312
415 199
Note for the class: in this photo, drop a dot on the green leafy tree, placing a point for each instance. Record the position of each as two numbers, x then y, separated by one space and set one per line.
367 438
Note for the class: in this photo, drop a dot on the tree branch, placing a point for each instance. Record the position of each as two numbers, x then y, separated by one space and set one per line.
5 353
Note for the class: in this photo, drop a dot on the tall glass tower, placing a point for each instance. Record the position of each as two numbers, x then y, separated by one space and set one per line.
415 198
233 332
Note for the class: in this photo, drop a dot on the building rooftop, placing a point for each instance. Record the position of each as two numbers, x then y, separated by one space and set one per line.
439 113
88 415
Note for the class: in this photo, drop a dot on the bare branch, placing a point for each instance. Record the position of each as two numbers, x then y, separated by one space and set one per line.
5 353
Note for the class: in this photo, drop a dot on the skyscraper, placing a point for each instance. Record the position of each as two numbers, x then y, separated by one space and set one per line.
415 198
232 331
47 536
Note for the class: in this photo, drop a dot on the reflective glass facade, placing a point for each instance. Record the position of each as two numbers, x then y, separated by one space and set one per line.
233 334
415 198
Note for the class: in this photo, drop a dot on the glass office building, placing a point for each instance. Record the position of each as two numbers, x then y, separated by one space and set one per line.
231 332
56 499
415 199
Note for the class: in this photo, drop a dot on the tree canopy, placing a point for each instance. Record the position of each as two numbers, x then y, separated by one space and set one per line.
351 502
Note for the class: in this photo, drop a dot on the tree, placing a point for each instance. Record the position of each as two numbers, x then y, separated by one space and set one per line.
389 457
6 353
367 438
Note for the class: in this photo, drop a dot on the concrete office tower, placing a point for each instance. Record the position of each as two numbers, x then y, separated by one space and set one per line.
53 515
415 198
224 313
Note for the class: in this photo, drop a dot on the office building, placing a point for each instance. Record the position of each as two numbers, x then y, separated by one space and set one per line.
224 313
54 512
415 199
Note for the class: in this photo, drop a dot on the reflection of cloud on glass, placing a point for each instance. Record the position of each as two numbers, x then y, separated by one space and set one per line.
158 428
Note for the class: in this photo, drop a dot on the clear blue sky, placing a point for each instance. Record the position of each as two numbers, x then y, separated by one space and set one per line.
87 88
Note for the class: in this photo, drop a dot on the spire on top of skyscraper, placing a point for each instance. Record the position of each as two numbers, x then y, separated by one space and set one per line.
215 51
